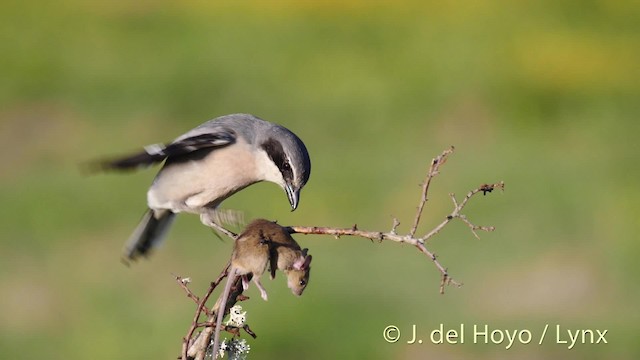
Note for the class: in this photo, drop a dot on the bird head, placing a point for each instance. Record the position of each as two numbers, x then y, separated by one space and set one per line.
289 161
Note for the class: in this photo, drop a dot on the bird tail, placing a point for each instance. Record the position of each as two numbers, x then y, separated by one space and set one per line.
148 234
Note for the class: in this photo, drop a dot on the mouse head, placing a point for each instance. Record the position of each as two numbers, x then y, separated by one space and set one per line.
298 275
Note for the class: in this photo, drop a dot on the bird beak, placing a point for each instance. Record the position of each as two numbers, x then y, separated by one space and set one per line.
293 195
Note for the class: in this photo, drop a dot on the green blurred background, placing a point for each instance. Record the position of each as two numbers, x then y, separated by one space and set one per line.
541 94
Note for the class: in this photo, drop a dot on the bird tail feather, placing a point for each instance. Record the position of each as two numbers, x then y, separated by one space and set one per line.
148 234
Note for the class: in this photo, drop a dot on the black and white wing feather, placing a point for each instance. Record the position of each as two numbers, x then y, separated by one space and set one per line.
158 152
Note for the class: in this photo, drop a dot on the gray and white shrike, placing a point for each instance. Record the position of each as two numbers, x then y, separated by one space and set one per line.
208 164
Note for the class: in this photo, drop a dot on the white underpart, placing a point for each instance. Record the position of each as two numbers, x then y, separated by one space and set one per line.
200 185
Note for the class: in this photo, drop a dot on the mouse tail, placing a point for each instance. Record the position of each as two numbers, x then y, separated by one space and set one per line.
221 310
152 229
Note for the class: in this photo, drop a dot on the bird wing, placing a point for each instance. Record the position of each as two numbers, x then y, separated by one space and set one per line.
158 152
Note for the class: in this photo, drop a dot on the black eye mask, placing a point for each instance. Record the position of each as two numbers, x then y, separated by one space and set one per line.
273 148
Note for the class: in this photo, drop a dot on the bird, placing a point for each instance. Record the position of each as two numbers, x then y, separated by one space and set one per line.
208 164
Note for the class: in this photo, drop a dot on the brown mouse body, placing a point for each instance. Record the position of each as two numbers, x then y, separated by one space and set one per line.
264 243
251 255
287 256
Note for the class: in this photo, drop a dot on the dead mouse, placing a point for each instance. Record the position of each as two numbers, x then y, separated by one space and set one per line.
287 256
263 243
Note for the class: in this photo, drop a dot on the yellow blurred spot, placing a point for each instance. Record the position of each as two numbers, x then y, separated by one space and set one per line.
569 61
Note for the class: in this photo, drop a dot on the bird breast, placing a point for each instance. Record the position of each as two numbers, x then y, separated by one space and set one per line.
203 180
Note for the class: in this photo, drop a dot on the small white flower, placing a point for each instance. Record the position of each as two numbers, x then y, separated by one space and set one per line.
240 350
235 348
242 346
223 348
237 317
236 309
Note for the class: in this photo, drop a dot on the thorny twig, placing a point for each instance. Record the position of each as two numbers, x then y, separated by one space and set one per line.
184 284
418 242
200 308
433 171
197 349
411 238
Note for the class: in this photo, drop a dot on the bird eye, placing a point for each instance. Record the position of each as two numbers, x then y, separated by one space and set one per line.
286 166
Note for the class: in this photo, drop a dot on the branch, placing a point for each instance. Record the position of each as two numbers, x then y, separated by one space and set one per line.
433 171
184 284
410 238
200 308
198 348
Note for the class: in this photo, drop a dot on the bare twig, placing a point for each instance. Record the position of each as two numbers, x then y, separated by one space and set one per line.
198 349
433 171
183 282
484 188
249 331
395 225
411 239
200 308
